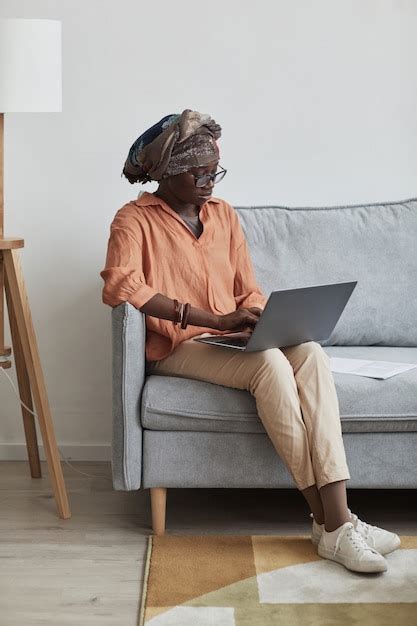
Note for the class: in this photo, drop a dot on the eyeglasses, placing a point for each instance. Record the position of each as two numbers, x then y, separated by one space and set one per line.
201 181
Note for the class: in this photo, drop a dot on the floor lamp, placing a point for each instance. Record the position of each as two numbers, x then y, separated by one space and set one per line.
30 81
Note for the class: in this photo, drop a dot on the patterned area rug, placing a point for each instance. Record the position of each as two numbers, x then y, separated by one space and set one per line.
271 580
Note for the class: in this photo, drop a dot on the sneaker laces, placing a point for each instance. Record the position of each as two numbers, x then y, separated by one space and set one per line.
363 527
355 538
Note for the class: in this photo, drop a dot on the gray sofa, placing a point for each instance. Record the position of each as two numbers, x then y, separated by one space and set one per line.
177 432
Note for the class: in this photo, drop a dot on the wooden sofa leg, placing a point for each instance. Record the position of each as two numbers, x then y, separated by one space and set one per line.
158 505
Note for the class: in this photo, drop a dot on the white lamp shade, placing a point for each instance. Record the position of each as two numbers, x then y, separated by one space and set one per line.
30 66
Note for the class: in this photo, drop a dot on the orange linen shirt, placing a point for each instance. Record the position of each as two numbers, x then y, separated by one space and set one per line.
151 250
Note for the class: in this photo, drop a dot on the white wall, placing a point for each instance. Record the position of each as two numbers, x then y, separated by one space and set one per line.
317 103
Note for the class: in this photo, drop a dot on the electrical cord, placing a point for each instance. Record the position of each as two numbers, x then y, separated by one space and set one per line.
63 456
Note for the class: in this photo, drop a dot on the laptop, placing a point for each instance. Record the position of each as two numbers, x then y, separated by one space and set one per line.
291 317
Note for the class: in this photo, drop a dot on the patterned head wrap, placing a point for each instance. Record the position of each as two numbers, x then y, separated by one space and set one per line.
172 146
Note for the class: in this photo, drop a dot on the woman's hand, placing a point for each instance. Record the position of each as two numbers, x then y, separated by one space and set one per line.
244 319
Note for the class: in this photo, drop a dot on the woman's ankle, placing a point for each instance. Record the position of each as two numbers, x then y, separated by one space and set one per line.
330 527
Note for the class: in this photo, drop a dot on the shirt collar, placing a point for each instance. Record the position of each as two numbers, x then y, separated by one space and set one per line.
147 199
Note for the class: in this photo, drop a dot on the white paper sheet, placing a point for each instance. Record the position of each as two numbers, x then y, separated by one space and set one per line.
371 369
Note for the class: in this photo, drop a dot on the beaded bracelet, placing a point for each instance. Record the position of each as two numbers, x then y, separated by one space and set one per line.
181 315
177 312
184 322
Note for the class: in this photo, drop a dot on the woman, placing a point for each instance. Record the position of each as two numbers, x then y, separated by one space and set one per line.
180 256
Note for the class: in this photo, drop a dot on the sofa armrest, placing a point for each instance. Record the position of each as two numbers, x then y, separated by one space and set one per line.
128 378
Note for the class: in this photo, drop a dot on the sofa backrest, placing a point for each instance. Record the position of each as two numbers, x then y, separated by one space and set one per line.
375 244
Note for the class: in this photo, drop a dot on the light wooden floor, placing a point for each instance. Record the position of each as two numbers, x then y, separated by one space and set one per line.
88 570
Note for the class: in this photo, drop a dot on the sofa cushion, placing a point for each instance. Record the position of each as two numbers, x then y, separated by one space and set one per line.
366 404
374 244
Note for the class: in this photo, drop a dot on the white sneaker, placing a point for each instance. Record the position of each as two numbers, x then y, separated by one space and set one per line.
346 545
381 540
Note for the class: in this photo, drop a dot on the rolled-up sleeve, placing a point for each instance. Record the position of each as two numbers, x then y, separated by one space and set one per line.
247 292
123 276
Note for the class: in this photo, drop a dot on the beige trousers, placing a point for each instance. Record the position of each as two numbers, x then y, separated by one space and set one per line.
295 398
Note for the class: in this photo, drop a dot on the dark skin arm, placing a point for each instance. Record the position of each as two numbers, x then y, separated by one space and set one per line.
242 319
